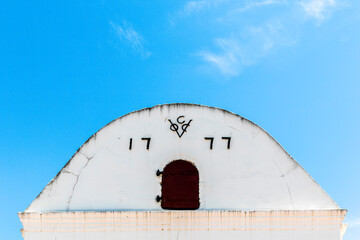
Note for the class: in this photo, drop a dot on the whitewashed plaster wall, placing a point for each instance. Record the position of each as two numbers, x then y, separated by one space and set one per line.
256 173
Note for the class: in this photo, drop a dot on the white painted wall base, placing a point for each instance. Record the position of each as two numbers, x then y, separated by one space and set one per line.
224 225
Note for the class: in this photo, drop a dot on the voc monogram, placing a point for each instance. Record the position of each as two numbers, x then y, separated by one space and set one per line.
179 125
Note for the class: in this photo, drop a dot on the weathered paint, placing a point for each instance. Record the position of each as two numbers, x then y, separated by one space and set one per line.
253 225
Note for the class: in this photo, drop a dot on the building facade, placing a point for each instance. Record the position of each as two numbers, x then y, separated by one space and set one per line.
182 171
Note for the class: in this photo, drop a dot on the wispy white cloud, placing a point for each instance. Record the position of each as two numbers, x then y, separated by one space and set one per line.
243 39
318 9
195 6
354 223
256 4
129 36
246 48
243 46
229 60
353 229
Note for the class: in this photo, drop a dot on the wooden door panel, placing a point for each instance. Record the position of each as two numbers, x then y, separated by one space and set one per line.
180 186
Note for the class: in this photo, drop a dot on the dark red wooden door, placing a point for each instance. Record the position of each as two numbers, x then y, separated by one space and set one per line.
180 186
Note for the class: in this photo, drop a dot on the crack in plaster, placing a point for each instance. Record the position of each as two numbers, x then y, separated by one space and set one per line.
111 151
77 178
256 134
292 204
287 185
293 167
66 171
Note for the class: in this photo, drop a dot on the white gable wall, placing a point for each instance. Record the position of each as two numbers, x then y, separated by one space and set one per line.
256 173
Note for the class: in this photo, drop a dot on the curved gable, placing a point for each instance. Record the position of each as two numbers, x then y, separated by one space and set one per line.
241 167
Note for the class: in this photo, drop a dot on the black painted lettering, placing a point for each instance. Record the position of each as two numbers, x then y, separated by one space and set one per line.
211 139
130 144
228 141
147 143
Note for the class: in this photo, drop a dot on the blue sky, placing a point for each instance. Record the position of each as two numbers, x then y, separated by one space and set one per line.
70 67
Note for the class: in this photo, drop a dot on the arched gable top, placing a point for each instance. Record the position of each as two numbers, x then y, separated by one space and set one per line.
240 165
